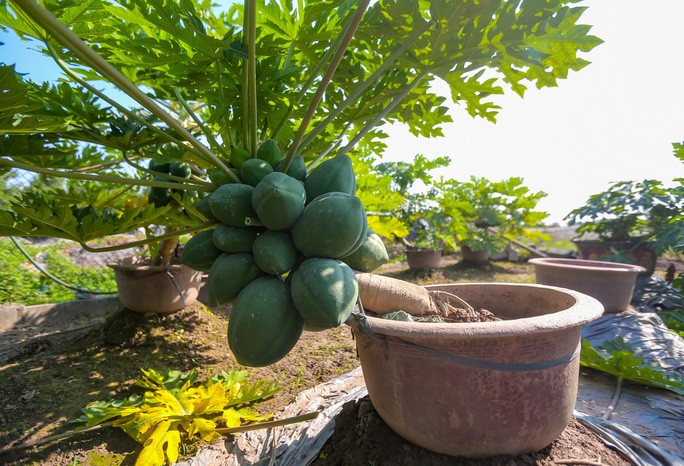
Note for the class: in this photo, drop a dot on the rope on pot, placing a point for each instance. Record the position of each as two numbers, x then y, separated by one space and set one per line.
175 283
385 340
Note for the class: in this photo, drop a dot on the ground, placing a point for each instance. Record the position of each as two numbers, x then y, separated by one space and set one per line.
52 379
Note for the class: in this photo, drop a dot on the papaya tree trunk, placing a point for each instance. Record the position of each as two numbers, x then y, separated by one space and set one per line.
167 247
381 295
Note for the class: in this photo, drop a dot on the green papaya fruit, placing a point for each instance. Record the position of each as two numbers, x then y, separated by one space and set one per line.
278 200
264 324
180 169
235 239
199 253
333 225
218 177
297 168
270 152
232 204
238 156
228 275
370 255
332 175
159 196
203 208
254 170
162 168
274 252
324 292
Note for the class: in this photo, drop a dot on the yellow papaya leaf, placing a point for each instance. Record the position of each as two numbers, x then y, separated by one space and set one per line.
232 418
162 443
204 427
210 398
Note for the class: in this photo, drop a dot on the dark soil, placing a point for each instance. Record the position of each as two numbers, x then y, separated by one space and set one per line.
362 438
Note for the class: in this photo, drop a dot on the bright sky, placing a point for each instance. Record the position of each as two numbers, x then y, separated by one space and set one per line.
614 120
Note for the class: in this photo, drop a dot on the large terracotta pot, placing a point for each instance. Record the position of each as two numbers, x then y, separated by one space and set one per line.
479 389
638 252
611 283
419 259
148 288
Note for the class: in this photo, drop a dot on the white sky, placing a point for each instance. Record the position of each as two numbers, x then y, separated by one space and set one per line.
614 120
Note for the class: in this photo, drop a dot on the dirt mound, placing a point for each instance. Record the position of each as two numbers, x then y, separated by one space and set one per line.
362 437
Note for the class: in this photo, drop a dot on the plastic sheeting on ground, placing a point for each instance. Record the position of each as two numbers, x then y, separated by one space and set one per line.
650 421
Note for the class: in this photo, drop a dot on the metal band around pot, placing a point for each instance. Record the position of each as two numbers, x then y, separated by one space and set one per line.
365 329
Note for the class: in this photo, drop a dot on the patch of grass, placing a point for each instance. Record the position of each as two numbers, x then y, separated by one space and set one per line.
23 283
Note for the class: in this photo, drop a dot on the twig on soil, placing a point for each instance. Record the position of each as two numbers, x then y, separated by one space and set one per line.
614 401
581 462
267 424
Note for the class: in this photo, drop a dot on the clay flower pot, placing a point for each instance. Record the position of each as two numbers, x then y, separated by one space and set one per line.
419 259
479 389
638 251
148 288
611 283
474 257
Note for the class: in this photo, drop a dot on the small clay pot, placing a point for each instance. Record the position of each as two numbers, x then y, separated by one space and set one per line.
149 288
420 259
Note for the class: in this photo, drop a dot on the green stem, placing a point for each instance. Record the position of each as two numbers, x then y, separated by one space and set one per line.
201 125
251 62
100 178
327 77
245 79
82 50
381 116
336 143
305 87
69 72
267 424
153 239
365 85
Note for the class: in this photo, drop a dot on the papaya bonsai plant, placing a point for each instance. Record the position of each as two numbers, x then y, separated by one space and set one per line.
266 119
267 103
631 221
488 214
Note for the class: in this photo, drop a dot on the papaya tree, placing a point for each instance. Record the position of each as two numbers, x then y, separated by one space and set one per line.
262 107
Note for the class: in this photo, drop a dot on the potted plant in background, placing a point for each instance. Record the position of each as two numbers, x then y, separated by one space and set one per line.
426 230
489 214
241 94
427 241
632 221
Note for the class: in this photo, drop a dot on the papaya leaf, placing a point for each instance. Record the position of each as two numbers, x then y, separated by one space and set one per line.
173 410
621 359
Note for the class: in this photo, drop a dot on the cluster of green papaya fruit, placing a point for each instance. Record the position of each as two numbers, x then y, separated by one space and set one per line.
284 250
162 196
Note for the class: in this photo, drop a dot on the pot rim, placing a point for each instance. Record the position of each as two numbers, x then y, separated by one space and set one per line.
588 265
126 266
583 310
